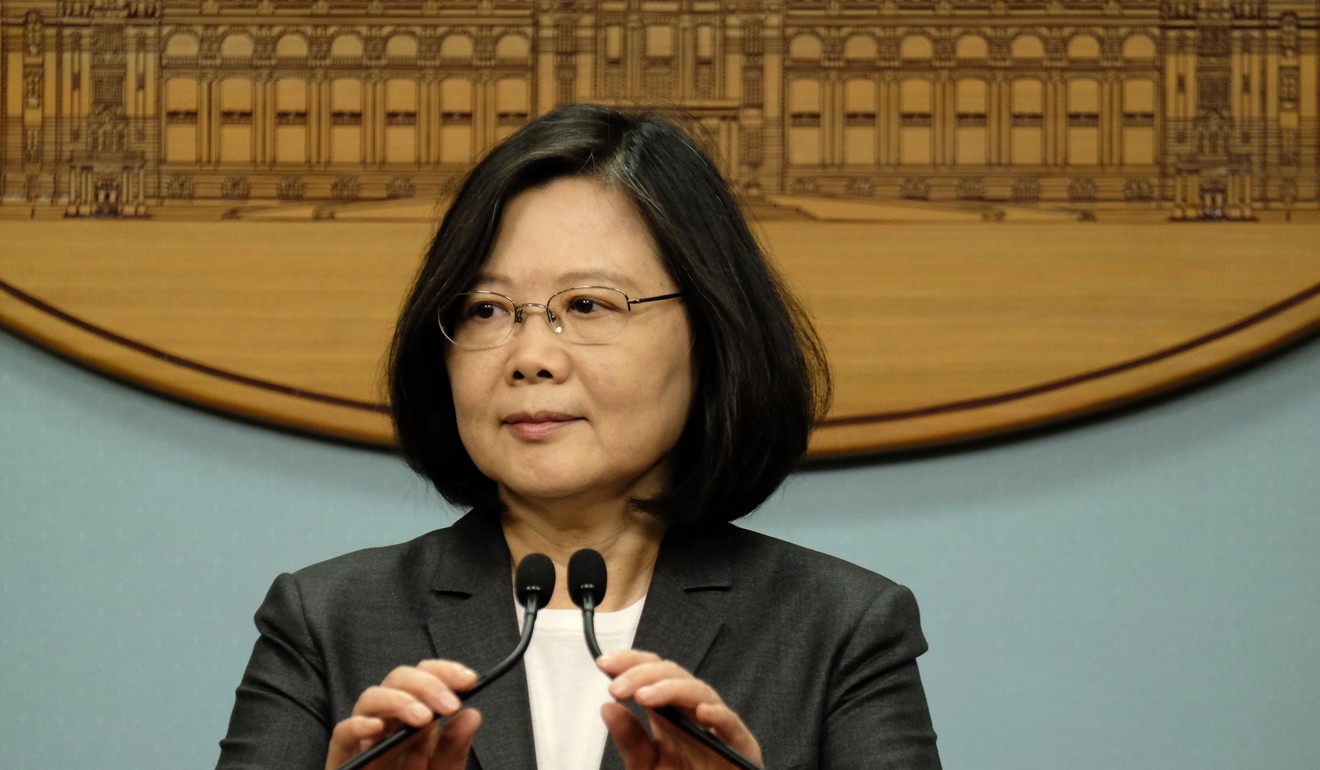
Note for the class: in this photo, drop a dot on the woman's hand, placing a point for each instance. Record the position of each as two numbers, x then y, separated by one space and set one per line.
652 682
411 695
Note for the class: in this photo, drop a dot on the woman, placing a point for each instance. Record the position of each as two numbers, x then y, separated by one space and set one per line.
666 387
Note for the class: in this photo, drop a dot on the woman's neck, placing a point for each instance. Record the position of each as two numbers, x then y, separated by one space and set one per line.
628 539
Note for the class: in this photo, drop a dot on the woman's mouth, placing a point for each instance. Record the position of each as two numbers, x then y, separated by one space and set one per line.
537 425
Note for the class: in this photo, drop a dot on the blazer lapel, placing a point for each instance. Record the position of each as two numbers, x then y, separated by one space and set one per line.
685 607
685 604
472 620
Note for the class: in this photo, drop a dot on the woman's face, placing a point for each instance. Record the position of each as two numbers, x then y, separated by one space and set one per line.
551 420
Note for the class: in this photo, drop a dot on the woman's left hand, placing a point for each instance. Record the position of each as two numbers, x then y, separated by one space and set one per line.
653 682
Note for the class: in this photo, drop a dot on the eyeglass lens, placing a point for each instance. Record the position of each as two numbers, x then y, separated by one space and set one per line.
585 314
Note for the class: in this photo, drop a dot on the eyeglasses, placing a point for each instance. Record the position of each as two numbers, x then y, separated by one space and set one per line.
587 315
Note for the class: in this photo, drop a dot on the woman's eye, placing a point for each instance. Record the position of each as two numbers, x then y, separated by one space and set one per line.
483 311
587 305
584 305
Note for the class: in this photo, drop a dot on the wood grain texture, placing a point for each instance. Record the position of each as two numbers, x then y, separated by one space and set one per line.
225 202
938 331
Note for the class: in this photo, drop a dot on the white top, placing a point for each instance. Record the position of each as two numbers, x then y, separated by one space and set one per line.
566 689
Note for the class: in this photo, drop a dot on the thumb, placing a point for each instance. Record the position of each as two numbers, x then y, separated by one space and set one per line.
634 744
455 742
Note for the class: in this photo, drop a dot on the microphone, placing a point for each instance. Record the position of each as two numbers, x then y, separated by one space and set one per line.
587 579
534 582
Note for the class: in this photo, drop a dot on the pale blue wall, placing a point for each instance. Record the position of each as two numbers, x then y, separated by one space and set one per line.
1140 592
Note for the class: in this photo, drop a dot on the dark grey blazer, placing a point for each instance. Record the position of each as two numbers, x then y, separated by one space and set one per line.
817 655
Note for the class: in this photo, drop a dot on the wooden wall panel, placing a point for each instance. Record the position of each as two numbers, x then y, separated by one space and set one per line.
1001 217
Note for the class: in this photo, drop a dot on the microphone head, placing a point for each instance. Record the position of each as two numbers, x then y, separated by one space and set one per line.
586 575
536 577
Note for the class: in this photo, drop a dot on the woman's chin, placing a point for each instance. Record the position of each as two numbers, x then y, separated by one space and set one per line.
567 480
543 492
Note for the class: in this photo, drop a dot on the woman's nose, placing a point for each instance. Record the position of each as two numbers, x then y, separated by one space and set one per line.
537 353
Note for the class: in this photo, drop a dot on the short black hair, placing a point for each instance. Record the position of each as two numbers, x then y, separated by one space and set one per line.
762 376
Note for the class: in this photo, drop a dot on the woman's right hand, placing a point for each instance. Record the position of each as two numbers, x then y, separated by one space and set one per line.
411 695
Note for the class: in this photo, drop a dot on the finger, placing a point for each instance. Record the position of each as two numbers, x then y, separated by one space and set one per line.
645 674
685 693
626 663
451 751
426 686
388 703
618 661
456 676
631 739
729 727
351 736
416 751
671 740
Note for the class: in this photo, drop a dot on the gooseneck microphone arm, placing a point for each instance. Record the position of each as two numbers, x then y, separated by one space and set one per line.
533 585
587 579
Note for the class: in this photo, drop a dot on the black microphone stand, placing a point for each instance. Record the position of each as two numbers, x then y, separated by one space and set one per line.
534 598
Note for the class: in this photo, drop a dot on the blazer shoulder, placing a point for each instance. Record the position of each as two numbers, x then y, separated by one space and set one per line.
780 561
457 559
379 571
